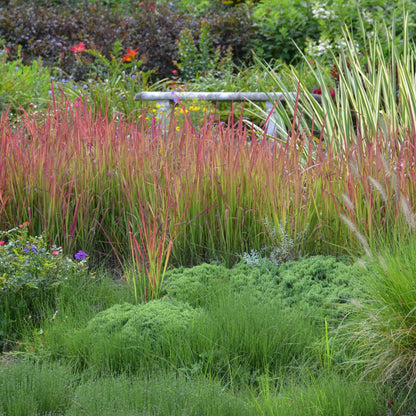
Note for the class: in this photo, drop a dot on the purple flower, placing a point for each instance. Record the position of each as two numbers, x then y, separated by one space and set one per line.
33 249
175 98
81 255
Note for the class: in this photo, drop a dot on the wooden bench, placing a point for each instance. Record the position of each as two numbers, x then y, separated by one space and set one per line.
165 99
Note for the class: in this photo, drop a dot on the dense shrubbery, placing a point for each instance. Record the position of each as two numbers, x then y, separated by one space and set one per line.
281 27
153 30
273 30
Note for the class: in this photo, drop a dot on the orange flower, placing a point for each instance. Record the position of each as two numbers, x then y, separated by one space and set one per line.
78 48
130 54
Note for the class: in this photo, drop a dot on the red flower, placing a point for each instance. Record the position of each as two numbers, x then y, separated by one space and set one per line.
78 48
130 54
26 223
2 242
319 91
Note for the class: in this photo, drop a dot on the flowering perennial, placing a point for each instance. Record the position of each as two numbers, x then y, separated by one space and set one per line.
78 48
130 54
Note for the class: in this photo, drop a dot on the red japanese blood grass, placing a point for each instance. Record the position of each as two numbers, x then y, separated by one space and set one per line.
82 178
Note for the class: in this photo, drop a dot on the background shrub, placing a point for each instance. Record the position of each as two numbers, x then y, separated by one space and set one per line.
153 29
281 23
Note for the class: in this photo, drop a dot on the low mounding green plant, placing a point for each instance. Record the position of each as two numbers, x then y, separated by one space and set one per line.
235 338
324 283
311 284
30 275
132 338
239 338
196 285
143 323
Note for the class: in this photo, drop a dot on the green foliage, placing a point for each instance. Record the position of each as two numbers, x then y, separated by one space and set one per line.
281 25
143 325
28 263
368 92
235 337
382 327
30 275
196 285
130 338
316 27
188 55
153 29
325 394
320 283
241 338
202 61
323 283
164 394
22 86
35 389
196 7
363 20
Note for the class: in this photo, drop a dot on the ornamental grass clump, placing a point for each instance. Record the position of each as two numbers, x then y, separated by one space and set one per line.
84 180
381 329
368 91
